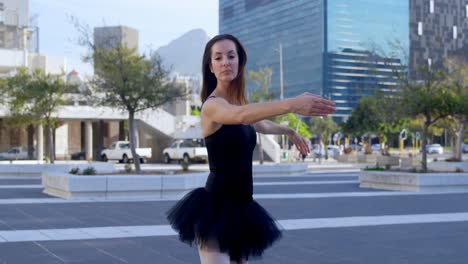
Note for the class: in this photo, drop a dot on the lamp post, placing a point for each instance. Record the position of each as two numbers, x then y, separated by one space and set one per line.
280 51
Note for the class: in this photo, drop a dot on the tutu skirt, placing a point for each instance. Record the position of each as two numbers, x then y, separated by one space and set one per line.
240 227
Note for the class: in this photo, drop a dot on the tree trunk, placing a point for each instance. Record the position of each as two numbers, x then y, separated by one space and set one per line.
424 143
30 130
51 142
136 158
260 149
459 141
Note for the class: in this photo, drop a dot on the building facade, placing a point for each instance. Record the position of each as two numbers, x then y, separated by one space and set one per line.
438 29
344 49
109 37
275 30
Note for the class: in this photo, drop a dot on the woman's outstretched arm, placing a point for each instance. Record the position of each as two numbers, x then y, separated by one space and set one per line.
219 111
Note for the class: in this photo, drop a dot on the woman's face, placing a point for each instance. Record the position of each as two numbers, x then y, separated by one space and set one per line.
224 60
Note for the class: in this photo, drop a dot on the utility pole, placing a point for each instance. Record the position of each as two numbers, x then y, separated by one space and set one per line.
281 71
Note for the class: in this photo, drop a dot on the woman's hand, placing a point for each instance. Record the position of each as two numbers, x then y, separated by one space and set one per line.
311 105
301 143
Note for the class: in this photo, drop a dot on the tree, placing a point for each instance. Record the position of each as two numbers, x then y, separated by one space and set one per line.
126 80
295 123
34 97
375 114
323 127
458 81
430 98
262 78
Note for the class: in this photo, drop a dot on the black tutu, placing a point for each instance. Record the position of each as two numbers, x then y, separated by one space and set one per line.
242 228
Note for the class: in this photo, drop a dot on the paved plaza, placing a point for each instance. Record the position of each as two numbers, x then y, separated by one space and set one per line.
326 218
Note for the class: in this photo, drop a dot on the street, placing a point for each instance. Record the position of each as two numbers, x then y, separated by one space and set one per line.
326 218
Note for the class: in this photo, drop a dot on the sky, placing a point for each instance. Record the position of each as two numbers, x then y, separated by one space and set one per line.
157 21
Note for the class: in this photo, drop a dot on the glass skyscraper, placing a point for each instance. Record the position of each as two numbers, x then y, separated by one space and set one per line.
344 49
263 25
359 57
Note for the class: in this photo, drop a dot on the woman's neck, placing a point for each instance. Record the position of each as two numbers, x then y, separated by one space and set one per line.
222 90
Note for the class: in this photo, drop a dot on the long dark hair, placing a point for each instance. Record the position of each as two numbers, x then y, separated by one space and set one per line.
237 95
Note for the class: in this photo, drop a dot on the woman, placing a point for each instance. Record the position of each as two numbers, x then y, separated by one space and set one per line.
222 218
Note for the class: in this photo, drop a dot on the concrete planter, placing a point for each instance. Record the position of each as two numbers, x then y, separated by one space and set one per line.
388 161
279 169
347 158
70 186
362 158
417 182
35 169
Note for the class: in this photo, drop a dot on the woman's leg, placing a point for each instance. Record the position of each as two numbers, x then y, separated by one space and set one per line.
209 254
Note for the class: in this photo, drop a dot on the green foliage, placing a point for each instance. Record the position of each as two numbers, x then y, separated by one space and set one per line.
262 78
323 127
132 82
89 171
375 168
375 114
195 111
34 97
126 80
128 168
74 170
185 165
294 123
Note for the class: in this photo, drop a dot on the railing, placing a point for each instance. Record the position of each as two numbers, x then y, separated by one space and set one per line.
271 147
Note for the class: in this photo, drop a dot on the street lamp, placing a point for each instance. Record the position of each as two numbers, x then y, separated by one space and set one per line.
280 51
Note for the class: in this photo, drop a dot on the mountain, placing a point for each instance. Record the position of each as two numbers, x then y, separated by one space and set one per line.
184 54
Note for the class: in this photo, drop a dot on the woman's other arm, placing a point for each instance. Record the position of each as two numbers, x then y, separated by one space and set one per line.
269 127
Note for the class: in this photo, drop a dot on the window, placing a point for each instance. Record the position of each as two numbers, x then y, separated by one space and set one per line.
2 14
420 28
454 32
466 10
228 12
429 62
431 6
252 4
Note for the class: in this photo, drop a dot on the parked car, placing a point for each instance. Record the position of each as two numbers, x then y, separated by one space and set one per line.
465 148
375 147
433 149
186 150
356 147
333 151
15 153
80 155
120 150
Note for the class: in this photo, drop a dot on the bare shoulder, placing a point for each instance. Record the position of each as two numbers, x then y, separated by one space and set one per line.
211 106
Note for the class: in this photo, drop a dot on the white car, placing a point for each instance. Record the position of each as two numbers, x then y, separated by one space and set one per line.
465 148
434 149
15 153
120 150
186 150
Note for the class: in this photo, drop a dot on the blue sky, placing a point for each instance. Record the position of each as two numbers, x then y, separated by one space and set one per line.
158 22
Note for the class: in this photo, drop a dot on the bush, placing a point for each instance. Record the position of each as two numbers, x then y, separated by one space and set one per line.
89 171
376 168
128 168
74 170
348 150
185 165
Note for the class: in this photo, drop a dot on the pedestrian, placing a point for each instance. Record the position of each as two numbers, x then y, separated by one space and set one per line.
222 219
